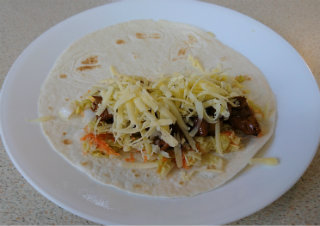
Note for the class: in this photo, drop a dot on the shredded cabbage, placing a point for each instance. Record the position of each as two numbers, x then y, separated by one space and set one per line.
164 166
213 162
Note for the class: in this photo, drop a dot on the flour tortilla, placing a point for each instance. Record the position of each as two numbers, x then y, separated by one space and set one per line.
145 48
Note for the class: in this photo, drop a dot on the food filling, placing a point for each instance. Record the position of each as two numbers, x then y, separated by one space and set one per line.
176 121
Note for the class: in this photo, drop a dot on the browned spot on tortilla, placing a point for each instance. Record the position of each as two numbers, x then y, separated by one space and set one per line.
90 60
67 141
88 67
182 51
137 185
50 108
141 36
181 182
148 175
81 97
137 175
63 76
66 99
174 59
133 170
120 41
155 36
84 163
64 133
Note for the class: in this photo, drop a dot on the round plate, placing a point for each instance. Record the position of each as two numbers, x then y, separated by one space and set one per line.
294 143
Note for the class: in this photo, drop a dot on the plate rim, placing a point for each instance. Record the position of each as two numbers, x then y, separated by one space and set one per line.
33 43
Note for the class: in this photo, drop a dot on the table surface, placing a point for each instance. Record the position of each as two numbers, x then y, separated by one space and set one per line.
22 21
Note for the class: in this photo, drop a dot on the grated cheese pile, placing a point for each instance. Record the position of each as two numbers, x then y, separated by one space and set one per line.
144 109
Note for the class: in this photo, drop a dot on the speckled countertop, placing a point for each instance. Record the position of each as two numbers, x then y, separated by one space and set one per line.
21 21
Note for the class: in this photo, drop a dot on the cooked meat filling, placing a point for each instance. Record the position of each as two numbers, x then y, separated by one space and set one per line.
203 127
242 118
162 144
105 116
95 104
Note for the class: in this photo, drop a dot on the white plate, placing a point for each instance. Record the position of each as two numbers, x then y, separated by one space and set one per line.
295 141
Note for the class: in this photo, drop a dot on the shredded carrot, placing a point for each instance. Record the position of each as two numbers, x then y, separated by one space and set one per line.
234 144
164 159
145 158
99 141
103 136
198 146
106 136
184 162
228 132
131 159
86 129
85 137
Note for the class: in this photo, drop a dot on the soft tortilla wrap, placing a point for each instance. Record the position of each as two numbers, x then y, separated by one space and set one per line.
145 48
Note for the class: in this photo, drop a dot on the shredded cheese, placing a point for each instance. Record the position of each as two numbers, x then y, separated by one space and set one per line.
195 63
43 119
144 109
267 161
